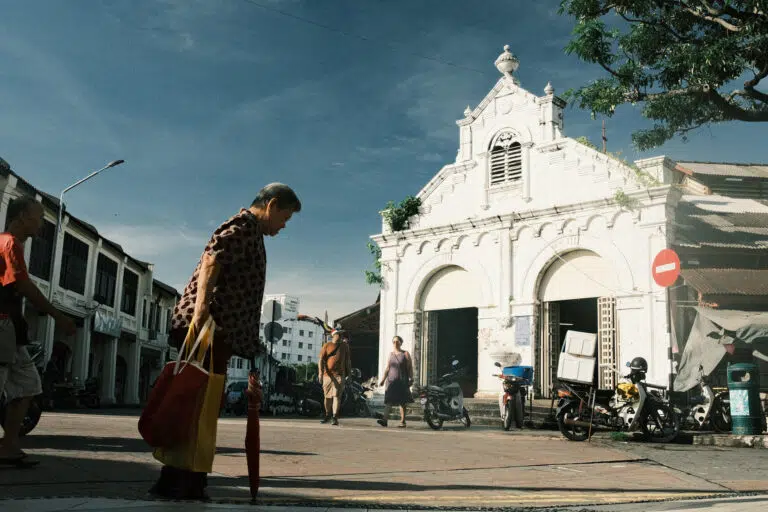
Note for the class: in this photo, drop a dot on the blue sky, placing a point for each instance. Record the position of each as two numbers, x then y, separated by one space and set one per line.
208 101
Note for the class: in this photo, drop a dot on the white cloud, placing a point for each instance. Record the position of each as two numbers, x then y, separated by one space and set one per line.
154 241
176 250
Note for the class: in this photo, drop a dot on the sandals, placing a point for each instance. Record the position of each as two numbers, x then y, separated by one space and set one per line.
401 425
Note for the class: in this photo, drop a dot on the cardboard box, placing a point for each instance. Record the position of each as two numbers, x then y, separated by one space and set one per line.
580 343
579 369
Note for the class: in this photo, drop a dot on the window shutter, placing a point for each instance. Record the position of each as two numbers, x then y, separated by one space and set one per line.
506 160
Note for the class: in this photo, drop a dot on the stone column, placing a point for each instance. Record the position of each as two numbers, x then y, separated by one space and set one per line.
82 353
527 171
487 326
132 377
109 360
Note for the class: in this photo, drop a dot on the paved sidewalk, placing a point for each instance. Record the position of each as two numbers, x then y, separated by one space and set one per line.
742 504
362 465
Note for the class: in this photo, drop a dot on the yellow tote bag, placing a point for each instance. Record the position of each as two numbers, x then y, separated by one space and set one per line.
196 454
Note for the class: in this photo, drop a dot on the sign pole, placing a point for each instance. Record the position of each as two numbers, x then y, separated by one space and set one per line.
270 337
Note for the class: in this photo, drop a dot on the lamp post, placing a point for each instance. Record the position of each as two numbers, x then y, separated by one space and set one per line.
55 253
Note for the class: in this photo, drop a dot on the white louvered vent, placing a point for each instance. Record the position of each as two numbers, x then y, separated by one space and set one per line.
506 160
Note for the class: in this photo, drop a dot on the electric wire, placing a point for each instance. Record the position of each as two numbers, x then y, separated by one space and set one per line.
391 45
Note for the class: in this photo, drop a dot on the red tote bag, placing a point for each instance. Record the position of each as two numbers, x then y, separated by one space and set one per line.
173 404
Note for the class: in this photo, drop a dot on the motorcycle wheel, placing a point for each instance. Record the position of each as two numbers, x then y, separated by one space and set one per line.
507 419
465 418
430 417
30 420
721 414
571 432
518 411
363 411
660 423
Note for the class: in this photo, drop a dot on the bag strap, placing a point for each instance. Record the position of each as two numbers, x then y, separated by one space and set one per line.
185 347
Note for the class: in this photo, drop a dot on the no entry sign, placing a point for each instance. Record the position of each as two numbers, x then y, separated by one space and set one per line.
666 268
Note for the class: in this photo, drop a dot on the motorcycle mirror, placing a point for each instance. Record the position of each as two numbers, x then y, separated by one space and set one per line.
497 364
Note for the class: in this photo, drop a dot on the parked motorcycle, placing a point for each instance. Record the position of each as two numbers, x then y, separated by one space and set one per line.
353 401
309 397
515 381
632 405
708 408
444 401
35 410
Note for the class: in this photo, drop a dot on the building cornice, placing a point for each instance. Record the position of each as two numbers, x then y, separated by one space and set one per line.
651 197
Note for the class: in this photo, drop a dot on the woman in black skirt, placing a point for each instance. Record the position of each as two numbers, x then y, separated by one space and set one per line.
399 378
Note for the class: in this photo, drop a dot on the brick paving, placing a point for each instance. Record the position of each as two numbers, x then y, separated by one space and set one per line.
361 464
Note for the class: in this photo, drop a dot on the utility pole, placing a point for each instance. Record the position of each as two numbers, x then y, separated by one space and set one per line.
605 139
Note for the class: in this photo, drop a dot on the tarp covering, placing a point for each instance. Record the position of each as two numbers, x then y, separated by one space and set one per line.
712 330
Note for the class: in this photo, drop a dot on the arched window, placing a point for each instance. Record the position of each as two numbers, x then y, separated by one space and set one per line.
506 160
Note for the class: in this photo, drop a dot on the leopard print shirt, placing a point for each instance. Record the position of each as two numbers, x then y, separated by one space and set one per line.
238 246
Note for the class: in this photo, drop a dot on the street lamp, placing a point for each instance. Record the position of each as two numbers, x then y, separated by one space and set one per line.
114 163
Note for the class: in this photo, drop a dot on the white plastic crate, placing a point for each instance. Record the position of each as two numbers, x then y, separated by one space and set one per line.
580 343
579 369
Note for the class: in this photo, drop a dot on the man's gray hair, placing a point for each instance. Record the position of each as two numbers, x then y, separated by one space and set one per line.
284 195
19 206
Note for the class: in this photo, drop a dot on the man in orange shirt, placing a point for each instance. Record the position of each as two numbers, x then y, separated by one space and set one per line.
335 365
18 374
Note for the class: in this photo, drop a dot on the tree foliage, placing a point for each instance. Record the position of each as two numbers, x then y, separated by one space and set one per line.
396 215
374 277
689 63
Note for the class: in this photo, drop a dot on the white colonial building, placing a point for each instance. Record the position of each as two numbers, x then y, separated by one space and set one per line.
121 312
526 235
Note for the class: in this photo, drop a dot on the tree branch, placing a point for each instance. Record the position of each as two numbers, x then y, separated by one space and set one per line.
657 24
751 84
734 112
750 93
715 19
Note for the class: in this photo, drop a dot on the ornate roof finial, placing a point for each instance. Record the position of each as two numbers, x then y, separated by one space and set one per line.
549 90
507 63
467 111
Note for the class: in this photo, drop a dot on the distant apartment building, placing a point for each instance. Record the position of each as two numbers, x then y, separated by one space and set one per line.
299 344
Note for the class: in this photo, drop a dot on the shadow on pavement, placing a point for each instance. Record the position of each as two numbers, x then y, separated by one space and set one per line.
372 485
121 444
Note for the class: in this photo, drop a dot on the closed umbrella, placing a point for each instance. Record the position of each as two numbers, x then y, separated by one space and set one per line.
252 440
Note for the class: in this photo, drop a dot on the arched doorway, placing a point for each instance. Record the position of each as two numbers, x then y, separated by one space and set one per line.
577 292
449 302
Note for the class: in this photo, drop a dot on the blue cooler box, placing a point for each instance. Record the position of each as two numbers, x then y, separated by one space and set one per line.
522 372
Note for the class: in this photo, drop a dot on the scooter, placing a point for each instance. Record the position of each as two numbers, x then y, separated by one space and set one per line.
708 408
633 405
444 401
37 354
515 381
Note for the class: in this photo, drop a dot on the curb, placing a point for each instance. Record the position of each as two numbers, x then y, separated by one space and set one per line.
731 441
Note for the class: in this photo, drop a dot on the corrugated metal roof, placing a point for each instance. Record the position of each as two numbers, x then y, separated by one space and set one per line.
719 221
727 281
726 169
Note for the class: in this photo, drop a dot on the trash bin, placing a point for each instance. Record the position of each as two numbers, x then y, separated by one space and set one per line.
744 390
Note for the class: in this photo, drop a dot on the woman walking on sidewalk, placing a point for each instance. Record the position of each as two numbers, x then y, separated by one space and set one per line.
399 379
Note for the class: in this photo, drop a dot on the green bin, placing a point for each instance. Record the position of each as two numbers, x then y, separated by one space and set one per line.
744 391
